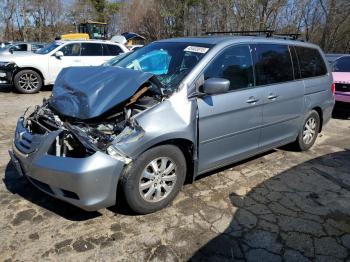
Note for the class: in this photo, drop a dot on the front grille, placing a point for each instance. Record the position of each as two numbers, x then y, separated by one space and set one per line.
342 87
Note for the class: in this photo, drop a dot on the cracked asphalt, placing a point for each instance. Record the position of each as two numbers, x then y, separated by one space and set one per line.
279 206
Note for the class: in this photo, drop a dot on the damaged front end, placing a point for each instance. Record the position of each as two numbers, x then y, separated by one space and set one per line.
79 138
67 147
93 115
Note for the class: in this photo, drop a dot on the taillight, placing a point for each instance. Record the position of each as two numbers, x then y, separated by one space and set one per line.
333 88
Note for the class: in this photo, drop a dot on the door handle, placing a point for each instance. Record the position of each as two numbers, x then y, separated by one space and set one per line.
272 96
77 60
252 100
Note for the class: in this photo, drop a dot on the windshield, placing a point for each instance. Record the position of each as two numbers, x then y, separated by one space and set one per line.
5 48
342 64
169 61
115 60
48 48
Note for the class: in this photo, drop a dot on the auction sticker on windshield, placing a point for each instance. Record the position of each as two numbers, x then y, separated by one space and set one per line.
196 49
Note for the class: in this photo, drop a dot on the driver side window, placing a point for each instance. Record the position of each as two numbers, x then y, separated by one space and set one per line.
234 64
71 49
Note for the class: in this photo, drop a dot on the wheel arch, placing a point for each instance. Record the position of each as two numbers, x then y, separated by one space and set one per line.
320 114
188 149
28 68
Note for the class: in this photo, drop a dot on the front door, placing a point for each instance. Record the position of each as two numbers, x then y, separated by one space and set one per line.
229 123
71 57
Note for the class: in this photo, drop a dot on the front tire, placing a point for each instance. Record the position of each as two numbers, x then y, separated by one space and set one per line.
153 180
309 131
28 82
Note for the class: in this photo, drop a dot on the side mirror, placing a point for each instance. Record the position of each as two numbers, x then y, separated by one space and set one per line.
59 54
11 50
213 86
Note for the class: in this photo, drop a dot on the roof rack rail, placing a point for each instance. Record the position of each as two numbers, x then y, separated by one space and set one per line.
267 33
292 36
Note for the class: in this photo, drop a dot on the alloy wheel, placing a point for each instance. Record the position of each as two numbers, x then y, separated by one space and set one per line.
28 81
309 131
158 179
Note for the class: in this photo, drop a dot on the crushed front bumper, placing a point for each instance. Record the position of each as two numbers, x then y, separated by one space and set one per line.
89 183
6 74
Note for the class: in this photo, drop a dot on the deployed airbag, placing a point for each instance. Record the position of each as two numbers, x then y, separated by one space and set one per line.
87 92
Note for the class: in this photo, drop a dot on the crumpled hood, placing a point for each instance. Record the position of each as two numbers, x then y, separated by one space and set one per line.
87 92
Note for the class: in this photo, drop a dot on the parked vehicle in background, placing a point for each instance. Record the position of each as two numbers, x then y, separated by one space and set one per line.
20 47
30 71
171 110
4 44
331 57
341 78
131 40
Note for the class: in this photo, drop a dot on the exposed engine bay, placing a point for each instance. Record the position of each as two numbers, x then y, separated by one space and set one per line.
82 137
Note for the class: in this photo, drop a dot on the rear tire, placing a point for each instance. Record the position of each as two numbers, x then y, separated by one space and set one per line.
154 179
28 81
308 132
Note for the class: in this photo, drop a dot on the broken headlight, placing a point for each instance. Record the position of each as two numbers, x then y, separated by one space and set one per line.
113 152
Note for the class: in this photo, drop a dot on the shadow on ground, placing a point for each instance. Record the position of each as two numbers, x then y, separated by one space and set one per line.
302 214
22 187
341 111
11 89
6 88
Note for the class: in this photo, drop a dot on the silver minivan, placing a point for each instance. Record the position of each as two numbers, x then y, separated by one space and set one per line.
171 111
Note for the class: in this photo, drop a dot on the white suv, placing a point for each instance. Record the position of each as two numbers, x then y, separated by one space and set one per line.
29 72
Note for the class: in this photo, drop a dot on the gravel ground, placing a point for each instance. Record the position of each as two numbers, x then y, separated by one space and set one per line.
282 205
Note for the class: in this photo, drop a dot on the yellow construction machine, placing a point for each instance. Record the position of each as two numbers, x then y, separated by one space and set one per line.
88 30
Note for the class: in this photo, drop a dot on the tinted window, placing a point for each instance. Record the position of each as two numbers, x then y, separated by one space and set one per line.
342 65
91 49
71 49
19 47
111 50
310 62
273 64
234 64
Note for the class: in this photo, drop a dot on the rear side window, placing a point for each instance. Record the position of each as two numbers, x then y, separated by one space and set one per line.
310 62
273 64
91 49
234 64
111 50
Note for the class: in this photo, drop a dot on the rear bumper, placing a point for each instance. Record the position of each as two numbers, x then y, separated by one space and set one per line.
89 183
342 96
